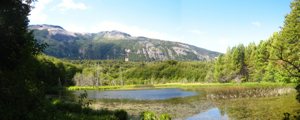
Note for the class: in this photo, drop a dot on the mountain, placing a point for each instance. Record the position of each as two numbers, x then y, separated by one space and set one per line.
114 45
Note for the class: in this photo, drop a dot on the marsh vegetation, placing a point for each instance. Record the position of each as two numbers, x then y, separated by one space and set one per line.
249 103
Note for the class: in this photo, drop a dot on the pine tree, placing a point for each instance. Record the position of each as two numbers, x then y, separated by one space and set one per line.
218 69
250 52
287 45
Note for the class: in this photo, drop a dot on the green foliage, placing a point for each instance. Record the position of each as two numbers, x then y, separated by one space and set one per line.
165 117
99 73
83 101
149 115
286 44
74 111
27 81
17 44
170 71
20 88
274 60
288 116
53 70
254 63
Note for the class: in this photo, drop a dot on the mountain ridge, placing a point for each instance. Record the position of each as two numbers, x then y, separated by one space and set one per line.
114 45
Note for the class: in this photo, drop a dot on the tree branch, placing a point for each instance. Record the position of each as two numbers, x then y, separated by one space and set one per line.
280 57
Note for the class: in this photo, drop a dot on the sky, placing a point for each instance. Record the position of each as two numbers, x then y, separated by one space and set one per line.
211 24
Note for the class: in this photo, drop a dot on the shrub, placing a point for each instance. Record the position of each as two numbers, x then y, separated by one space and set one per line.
147 115
164 117
121 114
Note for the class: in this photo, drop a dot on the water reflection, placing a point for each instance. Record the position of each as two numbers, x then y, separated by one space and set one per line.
211 114
196 107
151 94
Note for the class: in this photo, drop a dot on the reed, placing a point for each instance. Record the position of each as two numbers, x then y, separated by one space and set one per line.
246 92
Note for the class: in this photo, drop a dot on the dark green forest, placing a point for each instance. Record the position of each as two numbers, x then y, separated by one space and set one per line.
31 85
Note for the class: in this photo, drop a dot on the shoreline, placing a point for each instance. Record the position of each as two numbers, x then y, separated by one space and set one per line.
182 85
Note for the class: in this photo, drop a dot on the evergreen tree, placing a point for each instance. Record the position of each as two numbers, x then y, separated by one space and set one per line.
287 45
20 93
250 52
262 59
219 69
17 44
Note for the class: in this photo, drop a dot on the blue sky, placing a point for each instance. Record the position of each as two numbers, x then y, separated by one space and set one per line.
210 24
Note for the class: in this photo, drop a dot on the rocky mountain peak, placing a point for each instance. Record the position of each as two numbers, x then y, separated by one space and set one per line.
46 27
114 35
115 45
52 29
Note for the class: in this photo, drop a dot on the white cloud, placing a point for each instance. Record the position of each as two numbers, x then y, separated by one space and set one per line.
71 4
197 32
37 14
76 28
130 29
223 43
256 24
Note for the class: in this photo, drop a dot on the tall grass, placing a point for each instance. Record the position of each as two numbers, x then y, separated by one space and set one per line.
246 92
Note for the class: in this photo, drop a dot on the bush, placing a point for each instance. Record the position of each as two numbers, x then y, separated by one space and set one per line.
147 115
165 117
121 114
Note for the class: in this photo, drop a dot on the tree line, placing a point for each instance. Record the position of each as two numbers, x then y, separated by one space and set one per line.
276 59
108 72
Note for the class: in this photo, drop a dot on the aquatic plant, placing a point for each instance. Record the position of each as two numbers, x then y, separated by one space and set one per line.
246 92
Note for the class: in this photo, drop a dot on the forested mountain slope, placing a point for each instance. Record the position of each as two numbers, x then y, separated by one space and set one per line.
114 45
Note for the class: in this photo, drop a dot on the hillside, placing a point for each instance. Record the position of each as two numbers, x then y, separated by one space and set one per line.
114 45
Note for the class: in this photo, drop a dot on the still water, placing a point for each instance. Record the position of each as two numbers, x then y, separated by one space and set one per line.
150 94
193 104
211 114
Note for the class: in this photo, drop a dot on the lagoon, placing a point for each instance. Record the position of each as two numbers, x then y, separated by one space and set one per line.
145 94
193 103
